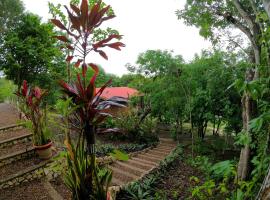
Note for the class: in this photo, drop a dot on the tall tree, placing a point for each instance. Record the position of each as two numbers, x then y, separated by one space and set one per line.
214 17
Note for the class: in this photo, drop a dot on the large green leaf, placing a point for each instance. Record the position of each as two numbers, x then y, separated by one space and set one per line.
119 155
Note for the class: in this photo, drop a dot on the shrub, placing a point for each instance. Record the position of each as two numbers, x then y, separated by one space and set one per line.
135 129
223 169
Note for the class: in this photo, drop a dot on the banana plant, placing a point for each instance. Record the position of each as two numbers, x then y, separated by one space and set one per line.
91 110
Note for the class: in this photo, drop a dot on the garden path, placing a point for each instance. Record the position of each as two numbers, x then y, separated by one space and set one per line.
8 114
141 164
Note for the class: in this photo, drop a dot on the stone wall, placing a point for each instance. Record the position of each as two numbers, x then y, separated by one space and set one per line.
12 127
24 176
20 139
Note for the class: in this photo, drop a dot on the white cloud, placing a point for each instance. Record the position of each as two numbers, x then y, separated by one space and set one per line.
145 24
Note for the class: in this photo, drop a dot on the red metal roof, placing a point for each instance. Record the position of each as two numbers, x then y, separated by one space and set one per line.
124 92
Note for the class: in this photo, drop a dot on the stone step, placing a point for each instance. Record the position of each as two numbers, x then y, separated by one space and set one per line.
16 156
136 162
155 156
139 165
127 166
166 139
15 140
144 161
165 144
26 174
11 126
15 148
160 151
165 148
147 157
124 176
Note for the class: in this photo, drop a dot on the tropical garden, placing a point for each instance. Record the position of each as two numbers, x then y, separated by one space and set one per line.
194 129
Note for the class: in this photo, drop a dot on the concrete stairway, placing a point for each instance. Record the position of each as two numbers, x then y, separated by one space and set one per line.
138 166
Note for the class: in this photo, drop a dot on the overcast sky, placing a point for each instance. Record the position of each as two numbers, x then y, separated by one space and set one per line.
145 24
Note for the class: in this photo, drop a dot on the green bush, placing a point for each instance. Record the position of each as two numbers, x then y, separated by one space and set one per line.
201 162
105 149
7 89
223 169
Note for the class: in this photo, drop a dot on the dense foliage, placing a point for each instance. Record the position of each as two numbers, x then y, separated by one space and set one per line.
195 92
29 52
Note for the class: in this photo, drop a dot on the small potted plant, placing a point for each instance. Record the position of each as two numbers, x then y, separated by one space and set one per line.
31 102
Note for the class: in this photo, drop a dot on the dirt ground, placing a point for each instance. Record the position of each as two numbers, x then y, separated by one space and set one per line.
61 188
29 191
175 183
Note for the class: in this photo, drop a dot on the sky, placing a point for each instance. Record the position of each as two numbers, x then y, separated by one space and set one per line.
145 25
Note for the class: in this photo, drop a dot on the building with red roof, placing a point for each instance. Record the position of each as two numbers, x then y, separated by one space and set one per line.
124 92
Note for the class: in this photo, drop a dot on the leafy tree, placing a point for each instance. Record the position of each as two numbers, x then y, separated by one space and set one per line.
10 13
30 52
195 91
157 62
160 83
137 81
208 78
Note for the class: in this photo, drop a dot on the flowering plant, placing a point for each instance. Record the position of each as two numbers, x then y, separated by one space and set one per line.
31 100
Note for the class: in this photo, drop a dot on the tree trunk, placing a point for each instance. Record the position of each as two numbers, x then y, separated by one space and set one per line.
218 127
266 5
243 164
245 152
214 126
181 126
176 129
204 128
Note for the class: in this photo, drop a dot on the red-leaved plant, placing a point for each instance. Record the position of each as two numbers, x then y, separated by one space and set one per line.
31 105
90 109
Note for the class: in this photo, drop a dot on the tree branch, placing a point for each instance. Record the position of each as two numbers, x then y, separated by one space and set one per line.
244 14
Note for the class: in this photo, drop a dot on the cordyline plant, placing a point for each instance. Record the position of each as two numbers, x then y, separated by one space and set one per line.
85 179
31 105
